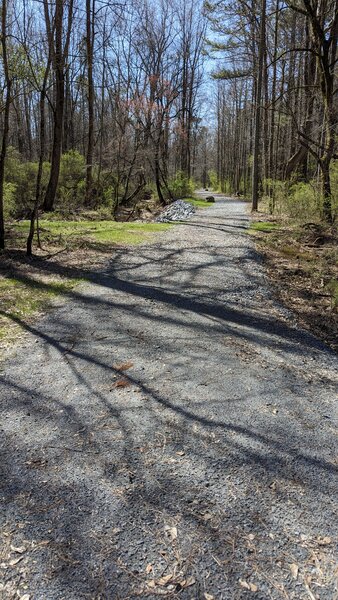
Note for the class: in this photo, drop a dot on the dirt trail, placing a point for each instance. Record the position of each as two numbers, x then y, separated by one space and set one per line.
169 431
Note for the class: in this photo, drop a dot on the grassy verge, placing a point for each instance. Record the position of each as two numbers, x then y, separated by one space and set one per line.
198 203
302 259
72 250
73 234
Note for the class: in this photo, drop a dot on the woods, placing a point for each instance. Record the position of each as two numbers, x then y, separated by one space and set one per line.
168 299
103 104
277 99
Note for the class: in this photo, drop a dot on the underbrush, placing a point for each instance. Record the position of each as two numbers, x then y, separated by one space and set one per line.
303 262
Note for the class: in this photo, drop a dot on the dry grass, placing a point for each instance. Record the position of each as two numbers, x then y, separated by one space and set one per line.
303 263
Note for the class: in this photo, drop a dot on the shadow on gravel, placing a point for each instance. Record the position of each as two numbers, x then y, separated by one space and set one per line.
271 444
95 507
93 481
203 303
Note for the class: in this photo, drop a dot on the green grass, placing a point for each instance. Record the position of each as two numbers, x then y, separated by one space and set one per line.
198 203
332 288
265 227
90 232
22 297
27 293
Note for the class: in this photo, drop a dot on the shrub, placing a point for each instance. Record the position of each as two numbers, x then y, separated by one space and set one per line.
213 178
9 200
71 188
304 201
22 175
334 187
181 186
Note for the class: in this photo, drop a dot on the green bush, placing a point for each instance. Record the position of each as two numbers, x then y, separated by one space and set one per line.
71 188
304 201
213 178
181 186
334 187
9 200
300 201
22 175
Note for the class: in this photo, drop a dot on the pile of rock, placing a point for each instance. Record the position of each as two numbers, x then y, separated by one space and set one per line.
177 211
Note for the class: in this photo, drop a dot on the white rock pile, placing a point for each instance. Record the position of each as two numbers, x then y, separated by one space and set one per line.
177 211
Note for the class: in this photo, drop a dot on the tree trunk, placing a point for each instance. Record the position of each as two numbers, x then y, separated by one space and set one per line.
90 10
257 134
8 83
59 55
34 214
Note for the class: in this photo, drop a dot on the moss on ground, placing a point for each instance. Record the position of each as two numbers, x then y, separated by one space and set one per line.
22 297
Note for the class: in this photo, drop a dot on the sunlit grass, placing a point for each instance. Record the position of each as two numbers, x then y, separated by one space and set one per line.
23 294
21 297
89 232
265 227
198 203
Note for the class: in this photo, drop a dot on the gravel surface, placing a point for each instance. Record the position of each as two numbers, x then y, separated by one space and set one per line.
177 211
168 431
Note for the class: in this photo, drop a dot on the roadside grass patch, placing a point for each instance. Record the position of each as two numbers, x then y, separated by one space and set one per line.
71 251
23 296
263 226
89 233
198 203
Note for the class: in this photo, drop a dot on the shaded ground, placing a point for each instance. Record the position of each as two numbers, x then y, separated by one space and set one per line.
169 431
70 249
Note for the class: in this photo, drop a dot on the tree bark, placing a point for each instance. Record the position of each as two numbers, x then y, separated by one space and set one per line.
258 101
8 84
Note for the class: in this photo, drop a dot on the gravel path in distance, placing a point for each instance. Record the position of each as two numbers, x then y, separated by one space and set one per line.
169 431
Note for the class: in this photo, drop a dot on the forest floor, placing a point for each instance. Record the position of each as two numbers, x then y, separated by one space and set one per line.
169 430
302 262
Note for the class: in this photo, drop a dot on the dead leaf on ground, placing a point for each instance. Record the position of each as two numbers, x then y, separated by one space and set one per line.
171 532
208 596
164 580
180 453
252 587
121 383
123 366
149 568
294 570
187 582
324 541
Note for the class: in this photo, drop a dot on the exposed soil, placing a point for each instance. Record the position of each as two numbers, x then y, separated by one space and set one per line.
171 431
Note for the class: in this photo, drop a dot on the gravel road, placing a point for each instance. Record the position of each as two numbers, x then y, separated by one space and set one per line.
169 431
